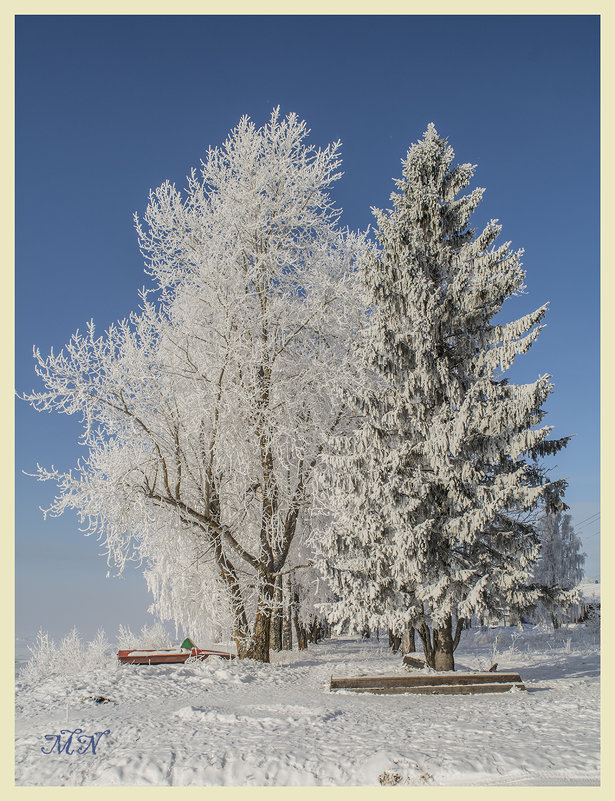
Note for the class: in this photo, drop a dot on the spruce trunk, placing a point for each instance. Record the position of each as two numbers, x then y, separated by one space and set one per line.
394 642
440 645
443 647
408 641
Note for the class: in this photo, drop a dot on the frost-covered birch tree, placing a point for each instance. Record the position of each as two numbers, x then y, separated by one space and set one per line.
434 490
560 567
204 414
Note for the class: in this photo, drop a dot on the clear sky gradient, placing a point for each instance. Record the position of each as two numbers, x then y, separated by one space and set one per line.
109 107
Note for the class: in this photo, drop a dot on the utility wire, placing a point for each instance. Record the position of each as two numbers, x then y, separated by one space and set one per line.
587 522
596 514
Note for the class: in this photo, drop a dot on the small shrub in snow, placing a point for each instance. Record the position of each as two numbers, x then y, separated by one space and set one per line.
514 636
69 657
388 778
391 779
425 776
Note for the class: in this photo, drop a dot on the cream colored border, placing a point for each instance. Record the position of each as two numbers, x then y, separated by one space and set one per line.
9 10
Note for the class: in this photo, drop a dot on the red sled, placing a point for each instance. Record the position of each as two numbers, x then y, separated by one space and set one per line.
166 656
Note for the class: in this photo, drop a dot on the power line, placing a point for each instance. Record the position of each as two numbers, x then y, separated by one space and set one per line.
596 514
589 521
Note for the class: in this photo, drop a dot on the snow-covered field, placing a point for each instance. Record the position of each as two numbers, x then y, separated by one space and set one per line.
243 723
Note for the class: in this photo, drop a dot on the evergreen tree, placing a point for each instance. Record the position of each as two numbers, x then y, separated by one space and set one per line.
431 489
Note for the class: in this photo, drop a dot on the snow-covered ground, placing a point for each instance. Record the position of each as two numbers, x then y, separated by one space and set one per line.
590 590
243 723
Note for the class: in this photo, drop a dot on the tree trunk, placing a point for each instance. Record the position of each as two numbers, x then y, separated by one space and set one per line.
554 621
259 646
276 616
408 641
287 628
394 642
440 646
241 628
443 647
427 644
299 630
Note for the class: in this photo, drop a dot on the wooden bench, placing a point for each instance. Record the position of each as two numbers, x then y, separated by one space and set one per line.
431 683
413 661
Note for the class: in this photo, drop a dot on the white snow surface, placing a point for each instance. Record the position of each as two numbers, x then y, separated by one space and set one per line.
163 652
216 722
590 590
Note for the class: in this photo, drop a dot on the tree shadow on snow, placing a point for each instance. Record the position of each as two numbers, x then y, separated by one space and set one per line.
572 667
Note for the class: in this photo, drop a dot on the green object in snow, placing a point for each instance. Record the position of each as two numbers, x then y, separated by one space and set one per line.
187 643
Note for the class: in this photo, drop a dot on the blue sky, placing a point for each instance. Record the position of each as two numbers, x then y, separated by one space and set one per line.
109 107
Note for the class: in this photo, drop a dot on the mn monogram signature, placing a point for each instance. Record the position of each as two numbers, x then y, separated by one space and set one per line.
69 742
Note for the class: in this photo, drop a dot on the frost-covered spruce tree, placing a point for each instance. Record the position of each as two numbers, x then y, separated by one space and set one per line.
434 490
559 569
205 413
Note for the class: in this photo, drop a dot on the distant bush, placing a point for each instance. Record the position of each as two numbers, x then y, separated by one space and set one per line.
70 656
154 636
73 656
